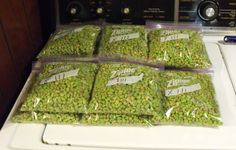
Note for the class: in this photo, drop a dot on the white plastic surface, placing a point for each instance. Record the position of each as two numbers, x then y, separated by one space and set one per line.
30 136
229 54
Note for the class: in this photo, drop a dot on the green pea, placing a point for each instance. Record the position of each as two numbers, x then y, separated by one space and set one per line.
131 47
195 107
72 41
46 118
139 97
186 52
116 120
68 95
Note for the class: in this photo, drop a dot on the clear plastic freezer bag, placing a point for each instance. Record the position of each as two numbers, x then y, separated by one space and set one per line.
124 41
72 41
122 88
61 88
189 99
46 118
116 120
178 48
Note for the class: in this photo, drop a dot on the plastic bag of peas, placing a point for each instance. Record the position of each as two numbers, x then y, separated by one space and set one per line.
116 120
189 99
124 41
46 118
123 88
181 48
78 41
61 88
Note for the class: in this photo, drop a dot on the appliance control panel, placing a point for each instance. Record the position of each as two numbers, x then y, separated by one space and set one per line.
206 12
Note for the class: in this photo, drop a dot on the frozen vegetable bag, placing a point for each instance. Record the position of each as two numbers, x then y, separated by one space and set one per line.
61 88
72 41
116 120
124 41
46 118
122 88
181 48
189 99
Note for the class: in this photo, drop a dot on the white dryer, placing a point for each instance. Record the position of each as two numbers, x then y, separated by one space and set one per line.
15 136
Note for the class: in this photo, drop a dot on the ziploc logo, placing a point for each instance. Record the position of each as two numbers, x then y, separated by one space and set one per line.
174 37
126 71
172 83
124 37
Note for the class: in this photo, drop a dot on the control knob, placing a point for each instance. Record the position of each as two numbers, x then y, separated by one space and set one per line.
126 10
74 8
99 10
208 10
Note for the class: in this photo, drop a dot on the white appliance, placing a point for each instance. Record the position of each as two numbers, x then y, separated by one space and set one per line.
15 136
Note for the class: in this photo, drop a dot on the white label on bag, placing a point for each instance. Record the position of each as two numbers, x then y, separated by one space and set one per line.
182 90
174 37
61 34
60 76
58 69
120 31
122 72
78 29
124 37
169 32
125 80
177 82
